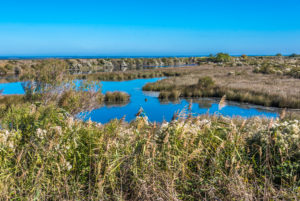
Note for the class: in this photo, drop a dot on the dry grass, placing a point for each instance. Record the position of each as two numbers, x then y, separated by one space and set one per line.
116 97
134 74
239 80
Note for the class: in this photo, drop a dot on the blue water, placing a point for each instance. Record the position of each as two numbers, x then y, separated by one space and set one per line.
157 111
153 108
12 88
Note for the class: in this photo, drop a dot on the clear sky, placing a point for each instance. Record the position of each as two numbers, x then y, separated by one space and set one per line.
148 27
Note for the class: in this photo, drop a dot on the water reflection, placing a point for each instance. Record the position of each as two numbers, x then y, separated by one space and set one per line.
153 108
157 110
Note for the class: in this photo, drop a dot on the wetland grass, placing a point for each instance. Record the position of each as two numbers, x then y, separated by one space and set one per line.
260 94
116 97
47 155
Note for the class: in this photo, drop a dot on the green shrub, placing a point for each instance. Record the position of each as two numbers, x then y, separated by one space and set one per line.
206 82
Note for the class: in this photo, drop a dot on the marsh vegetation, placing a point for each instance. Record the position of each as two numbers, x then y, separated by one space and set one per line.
238 84
104 68
46 153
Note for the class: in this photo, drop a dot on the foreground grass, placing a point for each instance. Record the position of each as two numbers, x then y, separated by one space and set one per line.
47 155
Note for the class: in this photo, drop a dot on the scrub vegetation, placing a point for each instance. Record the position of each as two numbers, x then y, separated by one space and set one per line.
51 86
103 68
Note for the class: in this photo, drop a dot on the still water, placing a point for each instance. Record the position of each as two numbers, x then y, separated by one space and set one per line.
157 111
153 108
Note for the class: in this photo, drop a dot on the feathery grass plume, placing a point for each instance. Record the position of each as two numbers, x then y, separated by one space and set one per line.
182 114
282 114
90 122
123 119
139 112
222 102
270 124
243 124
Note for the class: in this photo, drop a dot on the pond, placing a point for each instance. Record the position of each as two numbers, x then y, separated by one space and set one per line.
158 111
153 108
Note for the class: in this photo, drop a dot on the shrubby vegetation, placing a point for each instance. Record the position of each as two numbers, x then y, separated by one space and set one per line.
222 57
51 86
45 154
71 100
119 76
26 69
279 65
105 68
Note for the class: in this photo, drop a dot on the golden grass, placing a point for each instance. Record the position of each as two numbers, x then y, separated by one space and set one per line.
242 85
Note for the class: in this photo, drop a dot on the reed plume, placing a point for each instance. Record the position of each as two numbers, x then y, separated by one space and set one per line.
283 113
222 102
190 105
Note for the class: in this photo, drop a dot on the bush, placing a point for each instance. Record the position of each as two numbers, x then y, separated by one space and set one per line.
206 82
77 101
223 57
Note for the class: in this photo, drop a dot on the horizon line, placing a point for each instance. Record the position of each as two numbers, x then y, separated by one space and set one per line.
122 56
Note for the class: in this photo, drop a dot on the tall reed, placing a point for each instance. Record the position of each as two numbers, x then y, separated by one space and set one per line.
47 155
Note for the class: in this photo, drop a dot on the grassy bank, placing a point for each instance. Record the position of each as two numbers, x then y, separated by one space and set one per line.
195 91
240 86
134 74
47 155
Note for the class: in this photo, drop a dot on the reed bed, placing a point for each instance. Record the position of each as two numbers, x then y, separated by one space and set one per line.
236 88
135 74
47 155
116 97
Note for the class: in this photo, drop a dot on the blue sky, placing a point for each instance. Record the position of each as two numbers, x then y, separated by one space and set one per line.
144 27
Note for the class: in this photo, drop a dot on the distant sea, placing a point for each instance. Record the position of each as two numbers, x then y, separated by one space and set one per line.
101 57
91 57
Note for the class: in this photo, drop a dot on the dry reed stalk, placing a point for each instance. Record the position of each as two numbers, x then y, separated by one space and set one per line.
190 105
222 102
283 113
